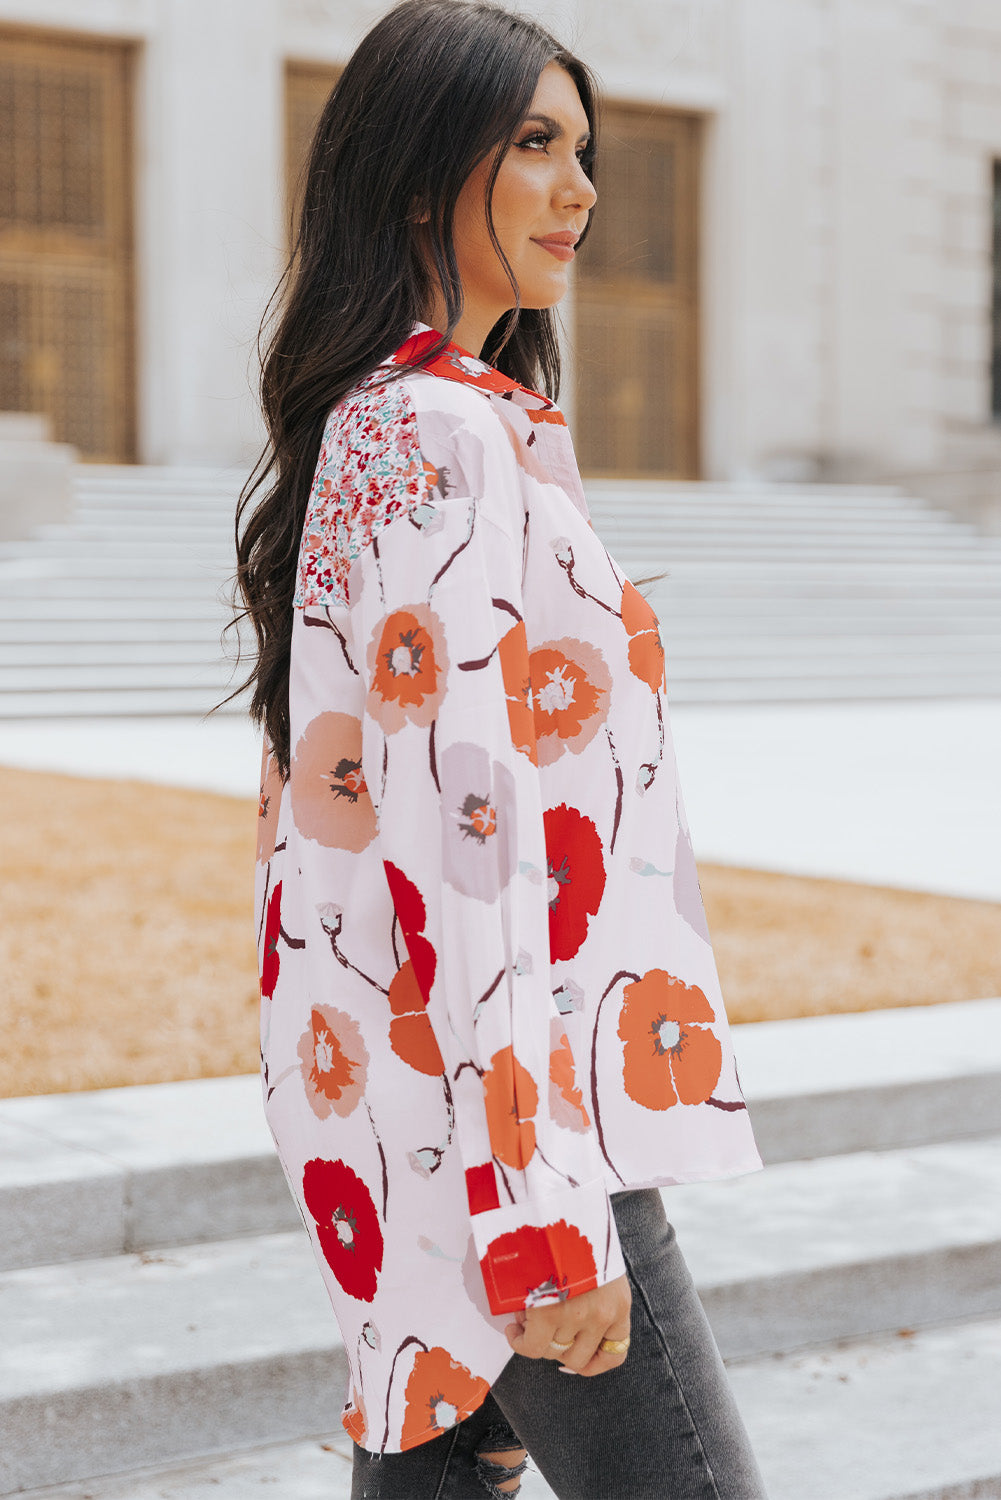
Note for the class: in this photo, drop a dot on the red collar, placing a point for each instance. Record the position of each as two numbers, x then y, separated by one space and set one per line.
455 363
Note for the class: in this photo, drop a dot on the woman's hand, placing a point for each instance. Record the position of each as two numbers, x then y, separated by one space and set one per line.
581 1322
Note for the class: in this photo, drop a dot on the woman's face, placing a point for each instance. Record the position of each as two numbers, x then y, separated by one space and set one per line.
541 201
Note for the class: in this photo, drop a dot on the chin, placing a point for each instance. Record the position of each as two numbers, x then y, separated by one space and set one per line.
548 298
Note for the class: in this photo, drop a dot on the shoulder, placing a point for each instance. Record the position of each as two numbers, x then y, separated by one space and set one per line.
368 472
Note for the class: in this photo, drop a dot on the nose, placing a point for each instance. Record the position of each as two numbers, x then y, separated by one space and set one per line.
578 191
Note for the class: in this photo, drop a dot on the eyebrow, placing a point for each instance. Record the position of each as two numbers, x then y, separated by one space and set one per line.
555 127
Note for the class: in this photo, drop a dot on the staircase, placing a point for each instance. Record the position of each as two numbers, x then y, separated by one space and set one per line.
122 611
791 593
165 1326
780 593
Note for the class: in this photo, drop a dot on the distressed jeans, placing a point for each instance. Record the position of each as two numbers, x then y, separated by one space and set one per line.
662 1426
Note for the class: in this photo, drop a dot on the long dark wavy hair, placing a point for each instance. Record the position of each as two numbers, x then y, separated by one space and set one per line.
431 91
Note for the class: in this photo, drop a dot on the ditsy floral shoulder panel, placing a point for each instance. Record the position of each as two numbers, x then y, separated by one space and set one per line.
488 993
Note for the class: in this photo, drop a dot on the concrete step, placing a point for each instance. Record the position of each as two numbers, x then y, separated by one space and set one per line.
139 1359
194 702
766 584
854 689
131 676
143 1359
127 1169
181 702
190 628
29 657
805 671
138 549
845 1245
909 1416
34 658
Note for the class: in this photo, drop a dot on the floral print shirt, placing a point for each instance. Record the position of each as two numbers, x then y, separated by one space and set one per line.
489 998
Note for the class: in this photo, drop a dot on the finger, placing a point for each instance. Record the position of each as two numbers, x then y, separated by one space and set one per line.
602 1363
560 1345
533 1341
606 1359
583 1351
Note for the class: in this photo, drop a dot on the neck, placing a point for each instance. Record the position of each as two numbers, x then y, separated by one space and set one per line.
472 329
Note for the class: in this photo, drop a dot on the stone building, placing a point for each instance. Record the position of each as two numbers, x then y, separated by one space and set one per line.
797 274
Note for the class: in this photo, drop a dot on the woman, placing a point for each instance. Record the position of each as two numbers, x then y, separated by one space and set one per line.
491 1024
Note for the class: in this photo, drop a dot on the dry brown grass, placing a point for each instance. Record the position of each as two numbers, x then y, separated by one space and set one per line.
129 958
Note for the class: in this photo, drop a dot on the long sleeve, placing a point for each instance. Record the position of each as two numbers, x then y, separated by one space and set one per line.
449 758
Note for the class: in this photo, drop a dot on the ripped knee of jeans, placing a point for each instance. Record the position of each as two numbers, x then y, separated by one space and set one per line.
501 1459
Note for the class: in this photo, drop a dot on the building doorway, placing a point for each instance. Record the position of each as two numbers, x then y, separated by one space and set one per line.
66 251
307 88
636 301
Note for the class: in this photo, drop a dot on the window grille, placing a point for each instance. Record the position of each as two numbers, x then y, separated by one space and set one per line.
636 301
66 316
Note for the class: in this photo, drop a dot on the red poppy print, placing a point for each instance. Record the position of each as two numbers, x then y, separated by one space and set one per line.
347 1225
411 912
355 492
511 1100
411 1034
646 649
670 1056
566 1100
440 1392
270 956
330 800
512 648
408 667
334 1062
576 872
537 1264
481 1188
572 691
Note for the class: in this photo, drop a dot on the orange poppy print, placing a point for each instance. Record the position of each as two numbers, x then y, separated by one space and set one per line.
408 666
512 649
566 1100
411 1034
268 805
671 1056
646 649
511 1100
572 687
440 1392
334 1062
330 800
353 1421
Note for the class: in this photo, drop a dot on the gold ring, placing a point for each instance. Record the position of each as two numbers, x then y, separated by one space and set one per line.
555 1344
614 1346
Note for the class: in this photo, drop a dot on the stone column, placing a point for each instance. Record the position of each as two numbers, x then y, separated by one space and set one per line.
208 177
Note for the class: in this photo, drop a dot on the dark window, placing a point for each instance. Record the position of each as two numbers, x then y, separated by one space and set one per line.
636 300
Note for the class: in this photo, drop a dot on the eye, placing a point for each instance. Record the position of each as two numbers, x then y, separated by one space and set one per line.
532 141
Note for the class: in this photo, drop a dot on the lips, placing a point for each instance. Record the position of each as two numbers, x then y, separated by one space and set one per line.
561 245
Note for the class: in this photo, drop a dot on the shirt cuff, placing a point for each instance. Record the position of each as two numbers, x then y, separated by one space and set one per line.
539 1252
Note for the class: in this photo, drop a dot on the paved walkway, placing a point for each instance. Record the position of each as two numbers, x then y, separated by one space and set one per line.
899 794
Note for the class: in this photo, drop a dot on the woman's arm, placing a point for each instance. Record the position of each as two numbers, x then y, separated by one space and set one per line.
448 753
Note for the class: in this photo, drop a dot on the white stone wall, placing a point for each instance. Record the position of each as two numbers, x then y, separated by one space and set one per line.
971 82
845 276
